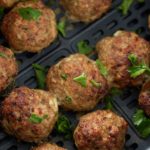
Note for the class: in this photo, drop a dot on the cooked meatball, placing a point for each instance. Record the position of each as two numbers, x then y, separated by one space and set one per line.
114 51
29 114
29 26
77 83
144 98
100 130
86 10
47 146
7 3
8 68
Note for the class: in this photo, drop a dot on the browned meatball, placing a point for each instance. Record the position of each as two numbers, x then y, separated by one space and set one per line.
47 146
144 98
29 114
100 130
64 79
7 3
86 10
8 68
29 26
114 52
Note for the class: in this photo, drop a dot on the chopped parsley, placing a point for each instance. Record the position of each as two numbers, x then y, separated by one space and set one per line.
102 68
3 55
64 76
61 26
36 119
81 80
142 123
137 68
68 99
84 47
95 84
29 13
108 103
40 73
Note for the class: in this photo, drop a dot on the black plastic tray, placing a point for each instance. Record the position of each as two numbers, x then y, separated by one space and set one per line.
136 20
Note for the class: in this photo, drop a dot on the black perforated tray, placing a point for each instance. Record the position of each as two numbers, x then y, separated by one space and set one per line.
136 20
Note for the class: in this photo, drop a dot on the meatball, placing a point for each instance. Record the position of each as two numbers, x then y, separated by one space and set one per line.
144 98
29 26
86 10
114 51
77 83
8 68
47 146
7 3
29 114
100 130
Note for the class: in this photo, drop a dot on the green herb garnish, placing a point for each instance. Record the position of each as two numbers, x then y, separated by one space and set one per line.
29 13
84 47
81 80
142 123
108 103
1 12
115 91
61 26
96 84
36 119
68 99
3 55
101 68
137 68
63 126
40 73
64 76
126 4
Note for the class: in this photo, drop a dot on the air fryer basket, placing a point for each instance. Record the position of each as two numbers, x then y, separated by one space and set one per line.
125 105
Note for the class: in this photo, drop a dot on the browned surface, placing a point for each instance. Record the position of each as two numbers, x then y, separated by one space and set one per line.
17 108
114 52
83 98
86 10
7 3
29 35
100 130
144 98
8 68
47 146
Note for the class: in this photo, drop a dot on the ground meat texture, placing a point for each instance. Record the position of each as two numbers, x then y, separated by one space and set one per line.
100 130
113 52
72 95
47 146
21 111
144 98
86 10
8 68
29 35
7 3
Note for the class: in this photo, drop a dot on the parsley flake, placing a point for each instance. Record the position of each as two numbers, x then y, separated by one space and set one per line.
96 84
61 26
36 119
81 80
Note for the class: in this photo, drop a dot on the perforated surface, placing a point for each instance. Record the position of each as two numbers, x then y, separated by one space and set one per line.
125 105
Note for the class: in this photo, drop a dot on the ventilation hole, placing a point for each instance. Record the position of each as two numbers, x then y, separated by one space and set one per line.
127 137
13 148
30 55
132 104
60 143
134 146
139 5
126 93
58 59
111 24
145 13
132 23
29 81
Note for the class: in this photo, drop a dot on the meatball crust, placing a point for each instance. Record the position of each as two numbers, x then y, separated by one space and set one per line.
113 53
72 95
7 3
29 114
100 130
47 146
8 68
86 10
30 35
144 98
